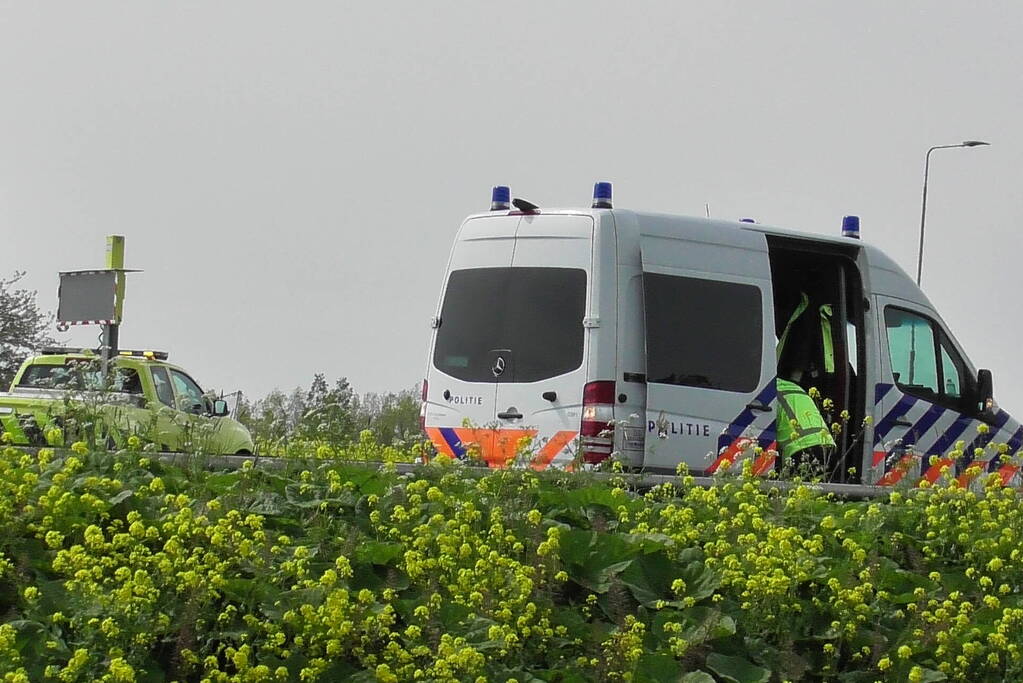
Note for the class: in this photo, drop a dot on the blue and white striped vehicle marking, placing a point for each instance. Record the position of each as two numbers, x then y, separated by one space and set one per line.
982 440
745 419
454 442
934 431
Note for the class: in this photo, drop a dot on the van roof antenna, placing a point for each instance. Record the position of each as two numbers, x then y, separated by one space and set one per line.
706 207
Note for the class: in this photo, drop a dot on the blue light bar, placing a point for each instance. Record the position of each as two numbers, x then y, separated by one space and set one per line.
602 196
851 227
500 199
746 220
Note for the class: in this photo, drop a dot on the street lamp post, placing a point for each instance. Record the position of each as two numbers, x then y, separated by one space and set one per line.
923 206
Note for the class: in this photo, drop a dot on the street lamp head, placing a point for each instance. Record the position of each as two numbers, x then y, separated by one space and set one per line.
923 203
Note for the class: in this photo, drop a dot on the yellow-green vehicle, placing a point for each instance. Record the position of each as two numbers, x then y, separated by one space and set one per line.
63 395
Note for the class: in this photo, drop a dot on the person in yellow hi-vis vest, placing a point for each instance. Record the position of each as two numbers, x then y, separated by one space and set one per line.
801 428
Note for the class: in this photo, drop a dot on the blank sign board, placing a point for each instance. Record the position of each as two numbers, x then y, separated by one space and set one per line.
87 297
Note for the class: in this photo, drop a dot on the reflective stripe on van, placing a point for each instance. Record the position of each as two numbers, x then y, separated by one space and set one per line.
498 447
899 457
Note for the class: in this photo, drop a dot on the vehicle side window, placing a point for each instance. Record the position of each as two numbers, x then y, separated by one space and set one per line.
81 375
164 392
911 349
703 333
46 377
189 393
924 362
126 381
953 384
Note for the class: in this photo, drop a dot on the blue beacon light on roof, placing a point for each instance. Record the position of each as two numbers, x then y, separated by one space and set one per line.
500 198
602 196
851 227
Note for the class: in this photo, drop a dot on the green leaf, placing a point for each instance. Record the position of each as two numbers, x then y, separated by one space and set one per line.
599 581
858 676
561 675
150 673
30 635
248 591
696 677
592 559
120 496
267 503
379 552
649 542
575 546
451 615
737 669
707 623
369 481
930 675
223 482
581 499
656 668
701 582
649 578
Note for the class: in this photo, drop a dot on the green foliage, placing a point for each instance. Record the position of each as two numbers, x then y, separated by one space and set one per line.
330 417
22 327
117 567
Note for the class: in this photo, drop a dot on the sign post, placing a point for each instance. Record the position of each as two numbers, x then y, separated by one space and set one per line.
115 263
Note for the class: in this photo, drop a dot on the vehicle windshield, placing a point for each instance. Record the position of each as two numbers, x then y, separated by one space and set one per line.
80 375
530 318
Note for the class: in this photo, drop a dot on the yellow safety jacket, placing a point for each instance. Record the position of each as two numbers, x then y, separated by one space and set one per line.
825 316
800 425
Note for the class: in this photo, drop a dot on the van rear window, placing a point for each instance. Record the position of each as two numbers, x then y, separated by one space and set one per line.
531 318
702 333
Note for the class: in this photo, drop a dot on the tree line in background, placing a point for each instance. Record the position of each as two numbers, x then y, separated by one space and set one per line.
328 414
22 327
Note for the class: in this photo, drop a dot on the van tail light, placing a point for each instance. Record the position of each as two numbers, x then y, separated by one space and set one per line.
595 429
422 407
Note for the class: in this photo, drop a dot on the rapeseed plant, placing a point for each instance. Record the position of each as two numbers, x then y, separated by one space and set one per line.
117 567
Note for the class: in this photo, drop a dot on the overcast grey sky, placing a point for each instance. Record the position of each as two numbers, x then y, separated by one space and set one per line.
290 176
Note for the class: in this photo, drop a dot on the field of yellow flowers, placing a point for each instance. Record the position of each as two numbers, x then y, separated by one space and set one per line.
117 567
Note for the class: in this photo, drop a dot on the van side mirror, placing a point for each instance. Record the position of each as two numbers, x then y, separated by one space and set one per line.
985 392
220 408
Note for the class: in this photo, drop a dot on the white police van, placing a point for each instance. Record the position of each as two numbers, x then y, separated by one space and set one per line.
554 323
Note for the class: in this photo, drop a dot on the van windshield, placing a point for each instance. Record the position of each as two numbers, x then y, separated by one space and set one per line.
532 318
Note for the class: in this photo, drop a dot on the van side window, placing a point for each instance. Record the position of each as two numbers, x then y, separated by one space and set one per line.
924 362
703 333
953 381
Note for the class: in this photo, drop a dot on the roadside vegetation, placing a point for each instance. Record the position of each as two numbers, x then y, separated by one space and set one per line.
118 567
333 422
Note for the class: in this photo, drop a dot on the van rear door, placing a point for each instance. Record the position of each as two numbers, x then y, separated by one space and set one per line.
461 387
508 362
709 344
542 344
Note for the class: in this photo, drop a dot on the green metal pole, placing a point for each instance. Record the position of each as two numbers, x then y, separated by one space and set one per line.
115 261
